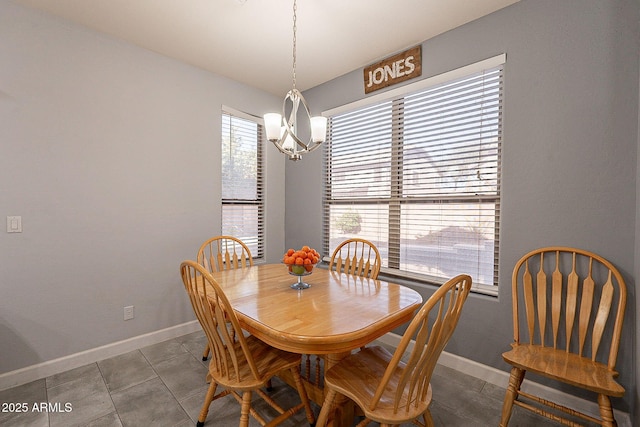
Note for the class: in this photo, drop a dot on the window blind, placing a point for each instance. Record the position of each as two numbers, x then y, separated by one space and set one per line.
419 175
242 181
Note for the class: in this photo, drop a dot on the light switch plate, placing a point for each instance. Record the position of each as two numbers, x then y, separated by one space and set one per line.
14 224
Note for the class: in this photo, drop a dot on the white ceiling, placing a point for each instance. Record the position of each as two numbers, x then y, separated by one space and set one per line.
250 41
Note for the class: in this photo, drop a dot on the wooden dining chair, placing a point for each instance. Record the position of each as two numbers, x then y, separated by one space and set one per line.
392 389
240 365
356 256
568 310
223 253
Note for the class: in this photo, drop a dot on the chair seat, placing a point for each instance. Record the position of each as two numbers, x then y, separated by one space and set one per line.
269 361
566 367
358 376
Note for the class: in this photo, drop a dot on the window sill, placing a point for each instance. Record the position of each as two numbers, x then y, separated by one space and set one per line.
423 281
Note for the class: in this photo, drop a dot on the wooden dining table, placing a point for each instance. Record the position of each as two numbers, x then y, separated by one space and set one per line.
338 313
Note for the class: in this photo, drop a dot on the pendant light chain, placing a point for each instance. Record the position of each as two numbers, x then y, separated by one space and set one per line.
294 43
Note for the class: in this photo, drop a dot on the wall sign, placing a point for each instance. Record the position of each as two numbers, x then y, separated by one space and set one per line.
394 69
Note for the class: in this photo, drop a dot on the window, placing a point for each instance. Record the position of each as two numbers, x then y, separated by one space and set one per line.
242 180
418 173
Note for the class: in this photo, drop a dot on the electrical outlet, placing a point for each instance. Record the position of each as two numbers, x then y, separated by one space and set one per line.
14 224
128 312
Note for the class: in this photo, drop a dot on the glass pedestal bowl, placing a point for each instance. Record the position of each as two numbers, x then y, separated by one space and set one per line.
300 271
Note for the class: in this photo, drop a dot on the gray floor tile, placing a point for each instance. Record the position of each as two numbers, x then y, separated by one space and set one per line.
73 374
34 391
25 419
78 384
194 343
455 379
165 350
184 375
148 404
79 397
126 370
467 402
494 391
445 416
185 423
19 403
83 411
193 404
110 420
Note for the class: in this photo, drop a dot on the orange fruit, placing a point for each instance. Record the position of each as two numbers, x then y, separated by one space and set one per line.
306 256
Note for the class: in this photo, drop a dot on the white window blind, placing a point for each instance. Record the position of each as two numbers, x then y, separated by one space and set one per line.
242 180
419 176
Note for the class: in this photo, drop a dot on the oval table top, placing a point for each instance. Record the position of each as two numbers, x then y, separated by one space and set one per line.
338 313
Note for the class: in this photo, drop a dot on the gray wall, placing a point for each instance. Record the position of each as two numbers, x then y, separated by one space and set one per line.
569 153
636 274
110 153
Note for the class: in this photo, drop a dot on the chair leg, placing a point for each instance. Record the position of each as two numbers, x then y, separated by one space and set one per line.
211 392
303 394
427 418
326 408
245 409
606 412
515 380
205 354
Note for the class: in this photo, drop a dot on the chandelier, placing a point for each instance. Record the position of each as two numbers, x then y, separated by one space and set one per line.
282 131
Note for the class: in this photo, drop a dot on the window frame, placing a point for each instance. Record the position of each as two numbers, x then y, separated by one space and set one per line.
395 198
259 201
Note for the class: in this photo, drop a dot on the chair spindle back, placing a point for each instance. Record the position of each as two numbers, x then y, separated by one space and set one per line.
224 253
431 336
220 324
358 257
577 289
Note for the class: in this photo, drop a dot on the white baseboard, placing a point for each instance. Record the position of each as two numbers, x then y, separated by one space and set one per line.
501 379
62 364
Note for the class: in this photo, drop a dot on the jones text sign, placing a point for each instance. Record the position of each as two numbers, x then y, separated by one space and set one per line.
392 70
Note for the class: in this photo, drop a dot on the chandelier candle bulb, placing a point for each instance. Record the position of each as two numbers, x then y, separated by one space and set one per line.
318 128
273 126
288 144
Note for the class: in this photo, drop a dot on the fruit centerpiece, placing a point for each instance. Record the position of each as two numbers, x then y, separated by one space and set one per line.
300 263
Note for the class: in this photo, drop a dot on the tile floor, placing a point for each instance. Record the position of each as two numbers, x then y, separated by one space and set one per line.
164 385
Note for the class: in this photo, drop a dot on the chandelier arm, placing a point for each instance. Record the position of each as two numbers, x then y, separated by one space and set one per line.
296 99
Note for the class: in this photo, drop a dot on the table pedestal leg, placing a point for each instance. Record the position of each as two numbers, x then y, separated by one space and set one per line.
342 412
